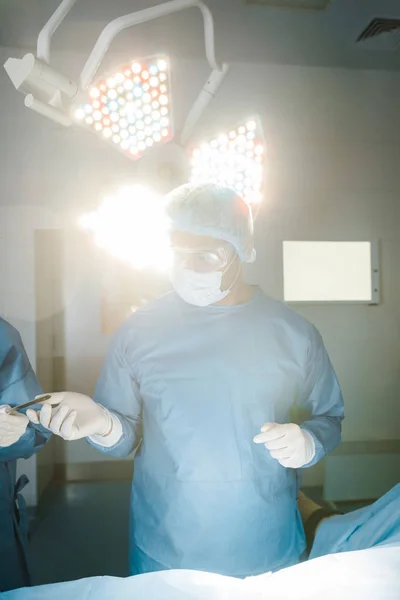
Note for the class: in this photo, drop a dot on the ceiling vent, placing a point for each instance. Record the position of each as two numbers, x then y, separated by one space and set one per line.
290 4
381 34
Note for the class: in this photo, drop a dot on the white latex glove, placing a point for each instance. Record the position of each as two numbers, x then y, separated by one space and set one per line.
12 427
289 444
77 416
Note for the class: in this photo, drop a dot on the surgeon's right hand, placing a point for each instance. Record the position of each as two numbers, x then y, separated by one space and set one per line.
76 416
12 427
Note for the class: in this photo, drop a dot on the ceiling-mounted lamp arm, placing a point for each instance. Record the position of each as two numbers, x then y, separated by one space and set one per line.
44 38
115 27
203 100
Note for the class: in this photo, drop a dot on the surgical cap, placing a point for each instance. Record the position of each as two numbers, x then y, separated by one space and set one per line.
214 211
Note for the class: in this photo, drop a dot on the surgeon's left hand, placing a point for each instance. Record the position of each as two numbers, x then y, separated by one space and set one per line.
290 445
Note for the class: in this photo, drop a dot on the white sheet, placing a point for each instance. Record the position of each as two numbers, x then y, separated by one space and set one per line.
372 574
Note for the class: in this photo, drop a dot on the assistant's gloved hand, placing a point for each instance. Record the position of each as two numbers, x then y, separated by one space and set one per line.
76 416
289 444
12 427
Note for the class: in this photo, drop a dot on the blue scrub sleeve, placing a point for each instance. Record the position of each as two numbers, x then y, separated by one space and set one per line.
18 384
323 399
118 391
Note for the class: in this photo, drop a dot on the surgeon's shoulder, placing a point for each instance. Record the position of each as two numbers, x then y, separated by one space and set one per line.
9 336
285 316
7 331
144 322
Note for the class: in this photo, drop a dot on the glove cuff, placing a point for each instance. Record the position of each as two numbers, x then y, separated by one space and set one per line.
108 422
112 431
309 446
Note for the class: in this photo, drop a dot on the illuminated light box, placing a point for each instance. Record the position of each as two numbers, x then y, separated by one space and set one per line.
331 272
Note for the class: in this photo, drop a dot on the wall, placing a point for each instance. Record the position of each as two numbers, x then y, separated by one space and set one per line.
85 345
333 141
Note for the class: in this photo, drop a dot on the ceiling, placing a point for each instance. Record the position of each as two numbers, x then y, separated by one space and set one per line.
244 33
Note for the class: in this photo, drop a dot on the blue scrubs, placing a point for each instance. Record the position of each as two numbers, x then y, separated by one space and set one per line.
374 525
199 383
18 384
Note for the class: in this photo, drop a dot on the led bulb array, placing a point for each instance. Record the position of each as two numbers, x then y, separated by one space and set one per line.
235 158
131 108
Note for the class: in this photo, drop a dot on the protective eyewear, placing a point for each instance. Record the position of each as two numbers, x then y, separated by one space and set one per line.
202 261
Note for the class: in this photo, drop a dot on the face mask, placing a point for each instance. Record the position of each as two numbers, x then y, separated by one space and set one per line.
200 289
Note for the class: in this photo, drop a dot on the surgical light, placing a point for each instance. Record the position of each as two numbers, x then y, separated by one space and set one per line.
145 82
235 158
124 112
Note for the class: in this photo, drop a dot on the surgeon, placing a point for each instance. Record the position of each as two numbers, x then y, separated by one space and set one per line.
18 439
200 383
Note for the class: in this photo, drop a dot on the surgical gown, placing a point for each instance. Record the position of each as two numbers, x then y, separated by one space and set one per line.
195 385
18 384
